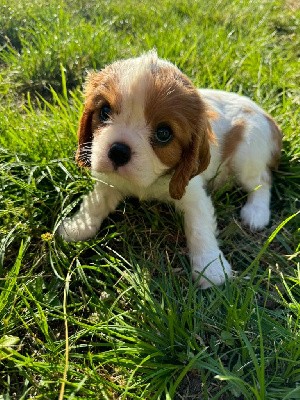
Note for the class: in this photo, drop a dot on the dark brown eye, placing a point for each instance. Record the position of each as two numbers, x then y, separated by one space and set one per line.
105 113
163 134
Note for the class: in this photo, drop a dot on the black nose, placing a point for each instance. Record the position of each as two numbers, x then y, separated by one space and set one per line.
119 154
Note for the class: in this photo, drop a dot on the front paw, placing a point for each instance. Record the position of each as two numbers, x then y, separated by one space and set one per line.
74 230
212 267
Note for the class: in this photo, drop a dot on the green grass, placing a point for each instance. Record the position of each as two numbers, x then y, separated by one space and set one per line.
119 316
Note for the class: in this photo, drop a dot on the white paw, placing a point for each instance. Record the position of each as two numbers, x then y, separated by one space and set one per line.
74 230
213 268
255 216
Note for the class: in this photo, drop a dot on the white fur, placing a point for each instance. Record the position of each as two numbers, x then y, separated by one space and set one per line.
143 175
250 161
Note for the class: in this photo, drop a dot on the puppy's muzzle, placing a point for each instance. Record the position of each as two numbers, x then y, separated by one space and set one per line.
119 154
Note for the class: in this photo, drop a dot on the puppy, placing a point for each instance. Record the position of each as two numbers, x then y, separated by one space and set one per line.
146 131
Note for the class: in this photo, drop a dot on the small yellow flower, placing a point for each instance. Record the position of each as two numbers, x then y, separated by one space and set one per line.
47 237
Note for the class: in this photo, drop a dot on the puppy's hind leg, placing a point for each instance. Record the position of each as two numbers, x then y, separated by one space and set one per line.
250 164
256 211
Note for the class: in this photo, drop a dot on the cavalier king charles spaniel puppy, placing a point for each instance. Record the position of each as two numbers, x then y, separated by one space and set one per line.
146 131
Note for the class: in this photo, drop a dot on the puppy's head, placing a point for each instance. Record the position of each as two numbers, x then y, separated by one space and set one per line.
143 119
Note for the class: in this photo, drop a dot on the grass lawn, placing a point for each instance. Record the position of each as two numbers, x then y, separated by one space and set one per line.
119 317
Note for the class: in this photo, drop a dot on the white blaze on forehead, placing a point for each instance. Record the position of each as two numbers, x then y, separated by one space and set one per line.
134 76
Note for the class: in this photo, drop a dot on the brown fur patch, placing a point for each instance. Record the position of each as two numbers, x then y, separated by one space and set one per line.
248 110
101 88
172 99
212 114
277 139
232 139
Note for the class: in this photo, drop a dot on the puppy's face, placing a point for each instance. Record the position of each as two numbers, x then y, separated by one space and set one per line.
143 119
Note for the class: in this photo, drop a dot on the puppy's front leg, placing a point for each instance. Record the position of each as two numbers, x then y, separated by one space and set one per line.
200 229
94 208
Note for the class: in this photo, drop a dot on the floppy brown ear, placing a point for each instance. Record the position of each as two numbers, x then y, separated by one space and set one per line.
195 159
85 137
